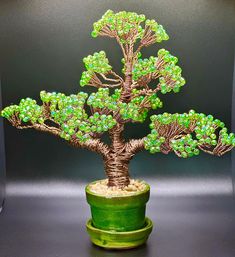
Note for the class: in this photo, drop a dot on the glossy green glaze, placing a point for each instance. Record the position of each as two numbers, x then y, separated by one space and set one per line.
119 240
118 213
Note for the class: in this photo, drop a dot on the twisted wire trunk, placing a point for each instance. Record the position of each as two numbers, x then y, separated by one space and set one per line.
126 90
117 160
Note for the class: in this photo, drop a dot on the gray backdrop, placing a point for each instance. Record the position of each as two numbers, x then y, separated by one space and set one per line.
42 44
2 159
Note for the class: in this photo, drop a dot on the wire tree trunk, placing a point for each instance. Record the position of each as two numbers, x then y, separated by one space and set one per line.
117 160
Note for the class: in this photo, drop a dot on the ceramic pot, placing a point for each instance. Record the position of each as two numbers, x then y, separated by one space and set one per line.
118 221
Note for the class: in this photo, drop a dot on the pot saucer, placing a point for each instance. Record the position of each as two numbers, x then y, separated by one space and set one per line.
110 239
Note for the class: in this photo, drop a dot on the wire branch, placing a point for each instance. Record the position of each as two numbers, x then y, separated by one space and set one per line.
134 146
109 79
122 47
40 127
116 75
94 145
96 82
148 39
106 31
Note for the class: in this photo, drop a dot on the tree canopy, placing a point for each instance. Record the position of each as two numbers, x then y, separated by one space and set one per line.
125 98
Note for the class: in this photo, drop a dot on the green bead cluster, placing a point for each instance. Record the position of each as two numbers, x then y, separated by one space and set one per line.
133 110
82 128
170 74
26 111
68 111
170 71
203 122
98 62
94 124
102 99
7 112
121 22
206 131
64 108
166 56
158 29
185 146
183 120
204 127
127 22
153 142
100 122
227 139
155 101
86 77
143 67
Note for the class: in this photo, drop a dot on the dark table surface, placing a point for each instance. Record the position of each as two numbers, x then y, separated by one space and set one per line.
200 226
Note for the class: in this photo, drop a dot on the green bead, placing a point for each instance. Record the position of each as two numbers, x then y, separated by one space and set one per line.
187 149
94 33
213 136
213 142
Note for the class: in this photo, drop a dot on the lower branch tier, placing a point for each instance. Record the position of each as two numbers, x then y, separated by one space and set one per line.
184 134
187 134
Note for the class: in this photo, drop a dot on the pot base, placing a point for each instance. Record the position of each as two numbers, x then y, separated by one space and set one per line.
110 239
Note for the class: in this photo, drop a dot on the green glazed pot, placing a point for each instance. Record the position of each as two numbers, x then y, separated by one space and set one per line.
118 221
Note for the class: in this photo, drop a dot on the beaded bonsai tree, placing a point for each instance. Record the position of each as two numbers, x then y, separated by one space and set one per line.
122 99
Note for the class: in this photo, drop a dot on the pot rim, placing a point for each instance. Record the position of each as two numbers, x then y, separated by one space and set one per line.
88 191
